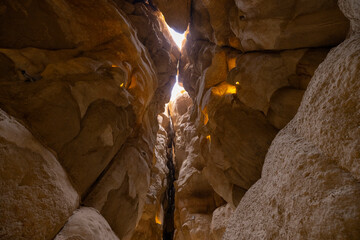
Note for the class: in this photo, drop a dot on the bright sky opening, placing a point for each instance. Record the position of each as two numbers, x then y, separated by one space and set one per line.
177 90
178 39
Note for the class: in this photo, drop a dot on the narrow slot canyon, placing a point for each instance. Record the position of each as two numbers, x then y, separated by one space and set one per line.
179 119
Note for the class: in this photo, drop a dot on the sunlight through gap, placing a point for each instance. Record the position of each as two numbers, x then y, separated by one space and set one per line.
178 39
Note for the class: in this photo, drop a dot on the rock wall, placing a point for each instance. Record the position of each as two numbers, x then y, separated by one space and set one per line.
246 66
264 143
82 84
310 178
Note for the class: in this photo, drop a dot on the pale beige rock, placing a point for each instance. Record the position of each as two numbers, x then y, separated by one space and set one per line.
195 199
196 226
330 113
36 196
350 8
102 76
301 195
268 25
183 128
310 179
86 224
241 100
220 220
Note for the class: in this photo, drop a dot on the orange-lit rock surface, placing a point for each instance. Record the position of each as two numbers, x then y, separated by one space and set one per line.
264 143
310 179
195 199
176 13
268 25
242 95
87 79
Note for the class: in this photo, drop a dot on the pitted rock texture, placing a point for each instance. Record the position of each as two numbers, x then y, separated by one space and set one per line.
310 178
36 195
82 84
87 79
242 95
242 100
86 224
220 218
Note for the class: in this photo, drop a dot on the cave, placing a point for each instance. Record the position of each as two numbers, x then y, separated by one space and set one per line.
179 119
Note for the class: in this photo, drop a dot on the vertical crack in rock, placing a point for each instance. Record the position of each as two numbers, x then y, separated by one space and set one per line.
169 200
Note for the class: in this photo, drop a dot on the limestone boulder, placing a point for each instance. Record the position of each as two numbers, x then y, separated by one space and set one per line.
307 195
219 221
350 8
310 179
36 194
183 128
86 224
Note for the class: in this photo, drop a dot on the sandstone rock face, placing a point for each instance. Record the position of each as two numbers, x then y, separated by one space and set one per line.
287 25
86 224
88 79
195 200
36 195
152 218
83 85
270 25
241 95
310 179
176 13
241 103
219 221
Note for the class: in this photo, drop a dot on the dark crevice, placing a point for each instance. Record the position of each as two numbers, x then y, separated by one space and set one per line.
169 200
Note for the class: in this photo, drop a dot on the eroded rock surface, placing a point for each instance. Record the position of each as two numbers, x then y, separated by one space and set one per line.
86 224
310 178
242 95
151 223
36 195
82 84
88 79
